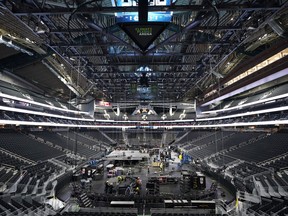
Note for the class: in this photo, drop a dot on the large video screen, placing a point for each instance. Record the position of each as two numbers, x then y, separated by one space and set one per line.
123 17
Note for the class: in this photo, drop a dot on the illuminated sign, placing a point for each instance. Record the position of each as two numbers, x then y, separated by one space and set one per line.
159 16
144 31
143 34
104 103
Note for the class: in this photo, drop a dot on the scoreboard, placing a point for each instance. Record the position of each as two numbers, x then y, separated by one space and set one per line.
160 16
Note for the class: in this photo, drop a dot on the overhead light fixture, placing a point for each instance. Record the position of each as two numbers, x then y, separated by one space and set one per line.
144 117
171 113
39 30
150 112
10 43
125 117
106 115
144 110
218 75
276 26
182 115
164 116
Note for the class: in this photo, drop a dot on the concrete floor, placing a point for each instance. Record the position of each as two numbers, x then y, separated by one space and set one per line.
98 186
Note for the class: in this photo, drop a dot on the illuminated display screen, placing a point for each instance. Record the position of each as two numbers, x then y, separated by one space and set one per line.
101 104
104 103
160 16
152 17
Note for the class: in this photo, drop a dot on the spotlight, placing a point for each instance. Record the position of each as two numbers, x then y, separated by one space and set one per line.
125 117
144 117
164 116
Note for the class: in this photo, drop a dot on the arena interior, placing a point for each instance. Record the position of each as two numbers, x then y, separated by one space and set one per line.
137 107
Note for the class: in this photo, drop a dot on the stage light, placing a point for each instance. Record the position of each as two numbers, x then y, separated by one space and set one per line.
144 117
164 116
125 117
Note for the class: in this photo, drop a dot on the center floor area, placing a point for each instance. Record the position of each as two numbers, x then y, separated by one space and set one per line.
151 180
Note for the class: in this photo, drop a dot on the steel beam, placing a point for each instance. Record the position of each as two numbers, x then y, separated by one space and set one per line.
112 37
198 28
175 8
152 78
111 64
120 44
126 55
157 72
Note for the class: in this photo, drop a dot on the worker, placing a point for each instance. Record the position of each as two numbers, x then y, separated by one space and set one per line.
138 182
161 166
106 186
180 157
129 171
119 179
137 190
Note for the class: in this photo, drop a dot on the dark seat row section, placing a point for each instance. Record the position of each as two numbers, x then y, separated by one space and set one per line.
221 142
271 146
26 146
66 141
